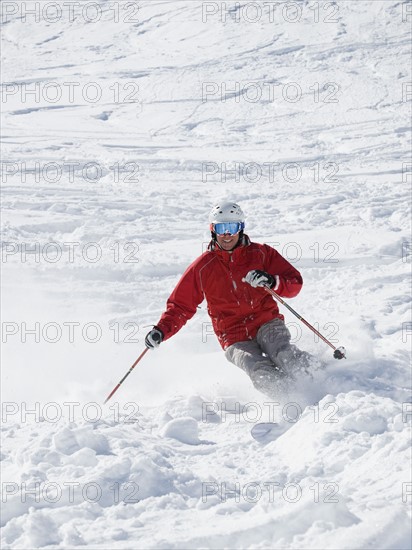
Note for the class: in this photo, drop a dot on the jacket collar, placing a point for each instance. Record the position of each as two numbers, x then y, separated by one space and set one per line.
227 255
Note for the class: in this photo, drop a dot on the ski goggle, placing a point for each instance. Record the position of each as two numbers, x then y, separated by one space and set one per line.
224 228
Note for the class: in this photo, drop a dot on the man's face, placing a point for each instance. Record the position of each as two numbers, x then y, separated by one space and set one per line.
227 242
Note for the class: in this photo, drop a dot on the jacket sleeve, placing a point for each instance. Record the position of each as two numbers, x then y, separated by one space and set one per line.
182 303
288 279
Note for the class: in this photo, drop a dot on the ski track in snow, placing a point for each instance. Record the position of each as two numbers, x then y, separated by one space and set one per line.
167 477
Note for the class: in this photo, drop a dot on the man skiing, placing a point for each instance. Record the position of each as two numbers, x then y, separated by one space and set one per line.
231 276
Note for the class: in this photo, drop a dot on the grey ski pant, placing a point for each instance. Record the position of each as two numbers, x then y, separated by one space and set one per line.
270 360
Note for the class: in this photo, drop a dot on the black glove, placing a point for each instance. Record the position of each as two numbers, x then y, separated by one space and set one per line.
256 278
154 338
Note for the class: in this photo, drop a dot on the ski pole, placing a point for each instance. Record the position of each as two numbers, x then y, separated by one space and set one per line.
339 353
126 375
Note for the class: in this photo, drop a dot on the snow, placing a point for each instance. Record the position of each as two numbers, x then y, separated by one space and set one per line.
183 429
303 117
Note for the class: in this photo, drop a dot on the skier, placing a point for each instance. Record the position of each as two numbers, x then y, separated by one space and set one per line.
231 275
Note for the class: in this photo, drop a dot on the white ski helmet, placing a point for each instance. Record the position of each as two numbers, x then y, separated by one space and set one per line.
226 212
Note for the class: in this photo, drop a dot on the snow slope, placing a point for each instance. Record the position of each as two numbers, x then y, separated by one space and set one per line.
122 124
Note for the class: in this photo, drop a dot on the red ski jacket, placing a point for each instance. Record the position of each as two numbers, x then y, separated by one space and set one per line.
237 309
